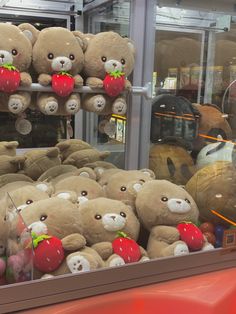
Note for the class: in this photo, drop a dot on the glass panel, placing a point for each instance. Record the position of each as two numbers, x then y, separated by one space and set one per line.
108 132
193 121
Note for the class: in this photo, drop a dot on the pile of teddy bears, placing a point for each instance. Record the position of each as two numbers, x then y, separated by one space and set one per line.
63 60
68 210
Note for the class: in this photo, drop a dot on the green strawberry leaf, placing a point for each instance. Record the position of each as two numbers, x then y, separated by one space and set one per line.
116 74
38 239
9 66
64 73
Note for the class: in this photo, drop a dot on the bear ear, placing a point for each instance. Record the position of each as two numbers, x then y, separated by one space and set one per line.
81 39
12 144
46 187
66 195
149 172
131 46
134 187
29 31
52 152
87 173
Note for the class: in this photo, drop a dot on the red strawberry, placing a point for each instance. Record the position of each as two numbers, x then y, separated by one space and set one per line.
114 83
191 235
63 84
126 248
9 78
48 253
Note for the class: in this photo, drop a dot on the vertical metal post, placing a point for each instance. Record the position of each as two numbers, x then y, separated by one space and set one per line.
210 63
142 31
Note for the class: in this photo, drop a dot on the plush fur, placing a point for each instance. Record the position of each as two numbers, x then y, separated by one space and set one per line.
8 148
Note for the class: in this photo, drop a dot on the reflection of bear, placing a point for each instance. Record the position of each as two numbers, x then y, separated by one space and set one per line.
15 50
107 52
58 50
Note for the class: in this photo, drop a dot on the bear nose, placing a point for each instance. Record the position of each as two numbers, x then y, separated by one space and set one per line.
178 202
113 217
62 62
114 64
2 55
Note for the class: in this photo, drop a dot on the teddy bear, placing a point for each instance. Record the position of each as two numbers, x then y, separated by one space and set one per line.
58 58
56 220
8 148
117 183
13 185
102 220
56 171
37 161
109 59
82 157
70 146
171 162
169 212
213 187
11 164
13 177
16 55
78 189
219 151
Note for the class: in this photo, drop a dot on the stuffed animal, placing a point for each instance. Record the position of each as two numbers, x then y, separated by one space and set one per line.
116 186
59 220
169 212
37 161
13 177
211 124
103 221
11 164
214 190
58 58
68 147
219 151
56 171
171 162
8 148
82 157
78 189
16 54
11 186
109 59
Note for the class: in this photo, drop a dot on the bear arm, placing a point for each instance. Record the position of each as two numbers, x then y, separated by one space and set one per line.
165 233
94 82
73 242
78 80
128 85
104 249
25 79
44 79
143 252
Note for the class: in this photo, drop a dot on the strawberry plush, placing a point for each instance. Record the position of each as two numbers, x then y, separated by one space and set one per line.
114 83
63 84
126 248
191 235
9 78
48 252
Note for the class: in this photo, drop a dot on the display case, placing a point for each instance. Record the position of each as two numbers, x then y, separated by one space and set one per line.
184 49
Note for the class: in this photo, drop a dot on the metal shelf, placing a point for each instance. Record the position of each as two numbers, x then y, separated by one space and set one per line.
145 91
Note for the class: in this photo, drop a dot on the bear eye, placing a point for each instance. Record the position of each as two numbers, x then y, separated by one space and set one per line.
104 59
122 61
29 202
72 57
97 217
141 180
123 188
14 52
43 217
164 199
123 214
188 201
84 193
50 56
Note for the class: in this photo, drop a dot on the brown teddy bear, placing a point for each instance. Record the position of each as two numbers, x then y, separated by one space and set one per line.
116 186
101 221
8 148
78 189
16 55
109 59
37 161
70 146
162 207
58 58
214 190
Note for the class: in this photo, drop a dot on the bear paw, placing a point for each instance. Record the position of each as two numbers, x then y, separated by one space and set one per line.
181 249
116 261
51 107
15 105
207 247
72 106
77 264
47 276
119 107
